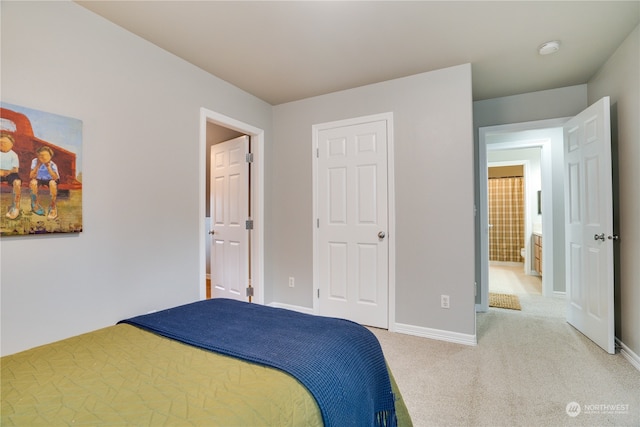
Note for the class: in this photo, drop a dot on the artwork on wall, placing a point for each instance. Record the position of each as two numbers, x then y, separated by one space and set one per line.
40 172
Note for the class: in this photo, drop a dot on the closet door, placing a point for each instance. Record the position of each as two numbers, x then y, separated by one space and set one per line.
352 222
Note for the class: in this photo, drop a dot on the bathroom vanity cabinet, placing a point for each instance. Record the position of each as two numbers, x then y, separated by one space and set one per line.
537 253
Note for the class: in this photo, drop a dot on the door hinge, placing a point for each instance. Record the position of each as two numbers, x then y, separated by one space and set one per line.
248 225
317 153
318 292
249 157
249 291
317 222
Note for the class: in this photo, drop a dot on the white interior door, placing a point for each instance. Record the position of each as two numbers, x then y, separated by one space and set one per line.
589 224
352 208
229 212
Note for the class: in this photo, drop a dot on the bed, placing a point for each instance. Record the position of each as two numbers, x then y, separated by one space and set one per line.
216 362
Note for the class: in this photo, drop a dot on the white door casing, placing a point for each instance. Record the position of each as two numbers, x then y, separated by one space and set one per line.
352 233
229 212
589 224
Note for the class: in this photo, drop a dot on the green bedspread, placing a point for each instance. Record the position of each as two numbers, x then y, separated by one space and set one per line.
123 375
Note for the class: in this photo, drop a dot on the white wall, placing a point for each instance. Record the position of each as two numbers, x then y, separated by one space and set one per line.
619 78
140 108
434 206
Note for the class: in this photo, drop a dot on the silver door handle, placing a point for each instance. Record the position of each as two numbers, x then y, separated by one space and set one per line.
614 237
381 235
598 237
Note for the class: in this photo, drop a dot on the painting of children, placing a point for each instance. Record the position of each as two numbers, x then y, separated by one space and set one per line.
40 156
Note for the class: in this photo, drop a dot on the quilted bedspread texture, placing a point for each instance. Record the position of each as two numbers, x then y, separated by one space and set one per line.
123 375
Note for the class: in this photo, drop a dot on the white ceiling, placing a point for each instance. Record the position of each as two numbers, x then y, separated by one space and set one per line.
285 51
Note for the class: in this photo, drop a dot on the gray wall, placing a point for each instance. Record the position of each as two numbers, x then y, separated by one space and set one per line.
528 107
433 189
620 79
140 108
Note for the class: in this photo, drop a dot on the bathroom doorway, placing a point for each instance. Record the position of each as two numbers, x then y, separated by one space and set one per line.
514 181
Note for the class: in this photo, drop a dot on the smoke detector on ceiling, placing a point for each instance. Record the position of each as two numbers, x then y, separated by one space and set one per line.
549 47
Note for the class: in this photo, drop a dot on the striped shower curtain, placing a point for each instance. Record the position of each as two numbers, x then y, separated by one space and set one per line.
506 216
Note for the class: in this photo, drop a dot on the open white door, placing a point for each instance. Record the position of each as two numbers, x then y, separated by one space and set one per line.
352 222
589 224
229 213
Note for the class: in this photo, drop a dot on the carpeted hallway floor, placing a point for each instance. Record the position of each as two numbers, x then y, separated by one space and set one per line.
527 368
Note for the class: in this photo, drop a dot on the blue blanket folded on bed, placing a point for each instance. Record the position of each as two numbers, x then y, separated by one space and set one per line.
340 362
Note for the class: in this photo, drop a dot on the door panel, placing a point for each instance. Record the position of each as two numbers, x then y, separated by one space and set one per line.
352 210
589 224
229 210
367 279
338 272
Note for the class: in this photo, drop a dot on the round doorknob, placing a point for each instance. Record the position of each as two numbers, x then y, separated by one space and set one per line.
212 232
381 235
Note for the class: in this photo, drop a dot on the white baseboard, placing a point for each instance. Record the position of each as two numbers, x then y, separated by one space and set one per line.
297 308
436 334
626 352
400 328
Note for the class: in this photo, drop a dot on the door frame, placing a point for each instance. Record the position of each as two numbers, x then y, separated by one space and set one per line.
391 218
484 135
256 186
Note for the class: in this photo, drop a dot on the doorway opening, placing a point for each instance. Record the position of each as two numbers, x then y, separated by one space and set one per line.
517 143
581 203
216 128
515 222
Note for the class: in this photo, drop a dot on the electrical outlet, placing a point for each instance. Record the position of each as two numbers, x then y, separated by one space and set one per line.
444 301
292 282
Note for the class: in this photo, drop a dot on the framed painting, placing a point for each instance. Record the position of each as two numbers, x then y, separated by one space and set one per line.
40 172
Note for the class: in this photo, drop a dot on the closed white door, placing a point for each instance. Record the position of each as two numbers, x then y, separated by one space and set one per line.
229 212
352 223
589 224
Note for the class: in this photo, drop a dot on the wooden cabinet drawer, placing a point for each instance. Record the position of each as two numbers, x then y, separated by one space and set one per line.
537 253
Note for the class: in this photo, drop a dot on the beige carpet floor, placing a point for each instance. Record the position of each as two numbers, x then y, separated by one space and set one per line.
527 368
